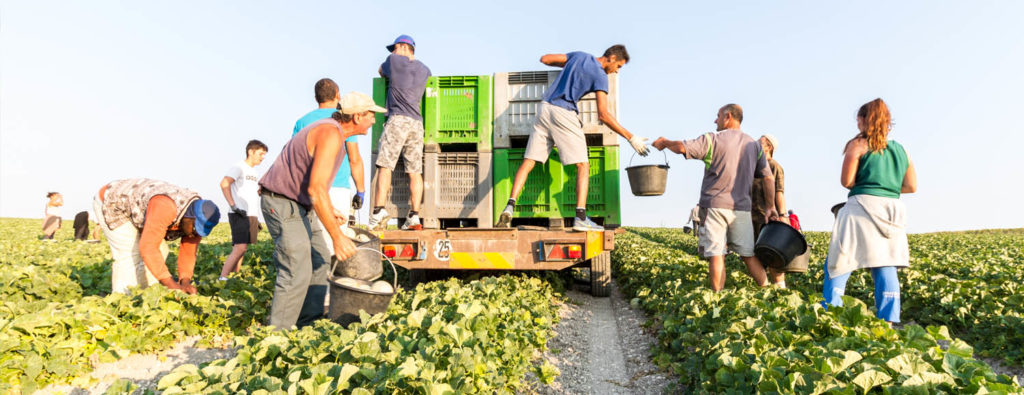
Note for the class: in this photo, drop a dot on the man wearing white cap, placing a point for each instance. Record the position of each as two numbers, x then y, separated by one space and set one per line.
759 206
294 195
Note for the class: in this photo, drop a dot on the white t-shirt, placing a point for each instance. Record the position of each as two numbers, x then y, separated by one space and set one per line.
245 188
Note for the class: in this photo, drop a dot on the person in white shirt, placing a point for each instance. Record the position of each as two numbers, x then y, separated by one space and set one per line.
51 216
241 190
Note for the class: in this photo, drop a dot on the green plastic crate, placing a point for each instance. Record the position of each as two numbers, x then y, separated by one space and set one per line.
456 109
550 189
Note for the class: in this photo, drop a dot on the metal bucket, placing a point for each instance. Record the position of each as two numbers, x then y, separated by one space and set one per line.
798 264
346 301
647 180
778 244
365 264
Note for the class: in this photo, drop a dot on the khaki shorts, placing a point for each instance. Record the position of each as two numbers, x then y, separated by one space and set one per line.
557 127
722 230
402 136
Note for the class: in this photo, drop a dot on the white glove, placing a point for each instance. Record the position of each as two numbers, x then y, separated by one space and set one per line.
639 144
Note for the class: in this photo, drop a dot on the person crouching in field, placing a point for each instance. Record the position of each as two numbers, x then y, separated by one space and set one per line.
138 216
732 160
870 230
51 215
241 190
295 195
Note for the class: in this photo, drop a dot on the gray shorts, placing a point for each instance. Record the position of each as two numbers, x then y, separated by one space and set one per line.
722 230
402 136
557 127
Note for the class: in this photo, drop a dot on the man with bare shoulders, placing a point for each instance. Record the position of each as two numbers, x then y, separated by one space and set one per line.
294 195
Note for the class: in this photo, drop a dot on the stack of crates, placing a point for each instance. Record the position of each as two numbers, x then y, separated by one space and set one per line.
550 190
457 171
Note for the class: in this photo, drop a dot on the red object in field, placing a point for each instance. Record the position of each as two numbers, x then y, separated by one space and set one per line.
794 221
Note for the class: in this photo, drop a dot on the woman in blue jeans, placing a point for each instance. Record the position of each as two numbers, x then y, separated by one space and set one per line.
870 230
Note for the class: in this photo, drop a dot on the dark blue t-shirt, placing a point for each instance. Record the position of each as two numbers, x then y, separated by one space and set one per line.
582 74
407 79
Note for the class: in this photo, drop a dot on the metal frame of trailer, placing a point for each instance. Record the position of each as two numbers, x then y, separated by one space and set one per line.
521 248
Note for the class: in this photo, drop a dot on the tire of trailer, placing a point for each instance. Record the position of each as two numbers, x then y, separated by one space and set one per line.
601 274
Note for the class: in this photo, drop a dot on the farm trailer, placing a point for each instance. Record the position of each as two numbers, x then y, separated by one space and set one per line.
519 248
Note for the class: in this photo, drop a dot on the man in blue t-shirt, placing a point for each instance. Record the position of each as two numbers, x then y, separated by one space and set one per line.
403 132
558 124
327 97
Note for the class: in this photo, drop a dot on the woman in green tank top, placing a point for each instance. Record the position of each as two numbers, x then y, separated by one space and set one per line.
870 231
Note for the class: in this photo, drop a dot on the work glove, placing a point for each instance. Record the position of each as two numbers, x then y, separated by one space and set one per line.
639 144
238 211
357 200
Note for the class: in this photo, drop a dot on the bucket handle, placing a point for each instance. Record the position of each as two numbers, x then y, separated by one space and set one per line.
394 282
634 156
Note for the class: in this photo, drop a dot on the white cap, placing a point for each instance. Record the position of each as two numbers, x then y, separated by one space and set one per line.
773 141
358 102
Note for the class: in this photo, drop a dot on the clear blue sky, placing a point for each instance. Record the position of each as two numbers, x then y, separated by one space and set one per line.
96 91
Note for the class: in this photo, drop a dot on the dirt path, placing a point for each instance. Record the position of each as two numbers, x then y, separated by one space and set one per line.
600 347
145 370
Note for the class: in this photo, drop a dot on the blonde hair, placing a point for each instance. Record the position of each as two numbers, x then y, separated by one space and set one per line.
878 120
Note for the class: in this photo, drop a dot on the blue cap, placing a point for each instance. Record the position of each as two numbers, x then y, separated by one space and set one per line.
405 38
207 216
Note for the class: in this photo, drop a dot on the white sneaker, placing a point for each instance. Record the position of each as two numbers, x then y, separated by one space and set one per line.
505 219
585 225
412 223
222 279
379 220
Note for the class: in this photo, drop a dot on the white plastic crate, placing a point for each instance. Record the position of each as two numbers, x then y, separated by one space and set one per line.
517 96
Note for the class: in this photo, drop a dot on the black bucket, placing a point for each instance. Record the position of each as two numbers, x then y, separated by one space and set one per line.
365 264
346 301
647 180
778 244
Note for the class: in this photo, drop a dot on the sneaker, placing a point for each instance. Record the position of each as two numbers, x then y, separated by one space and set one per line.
222 279
585 225
379 220
505 219
412 223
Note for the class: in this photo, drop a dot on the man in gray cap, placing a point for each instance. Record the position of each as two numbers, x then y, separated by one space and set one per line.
403 132
294 195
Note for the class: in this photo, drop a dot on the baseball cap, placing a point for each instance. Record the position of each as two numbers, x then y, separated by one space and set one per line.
207 216
358 102
405 38
774 142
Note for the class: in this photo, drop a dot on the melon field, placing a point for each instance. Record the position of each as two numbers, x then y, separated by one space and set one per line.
961 307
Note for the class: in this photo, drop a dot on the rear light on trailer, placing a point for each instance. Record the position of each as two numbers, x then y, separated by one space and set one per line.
390 251
575 252
552 251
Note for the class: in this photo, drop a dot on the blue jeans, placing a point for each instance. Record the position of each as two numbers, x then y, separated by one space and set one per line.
887 291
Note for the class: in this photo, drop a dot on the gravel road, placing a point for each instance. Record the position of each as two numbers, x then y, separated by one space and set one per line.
601 347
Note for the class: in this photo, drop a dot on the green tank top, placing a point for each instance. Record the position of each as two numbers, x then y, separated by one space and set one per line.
881 173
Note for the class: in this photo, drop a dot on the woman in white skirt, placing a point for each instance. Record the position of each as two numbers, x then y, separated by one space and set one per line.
870 231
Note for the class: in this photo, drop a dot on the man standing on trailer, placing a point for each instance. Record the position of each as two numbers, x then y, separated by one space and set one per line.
294 194
403 132
558 124
731 162
327 96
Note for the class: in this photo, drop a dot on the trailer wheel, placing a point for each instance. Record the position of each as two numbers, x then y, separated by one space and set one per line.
600 274
417 277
